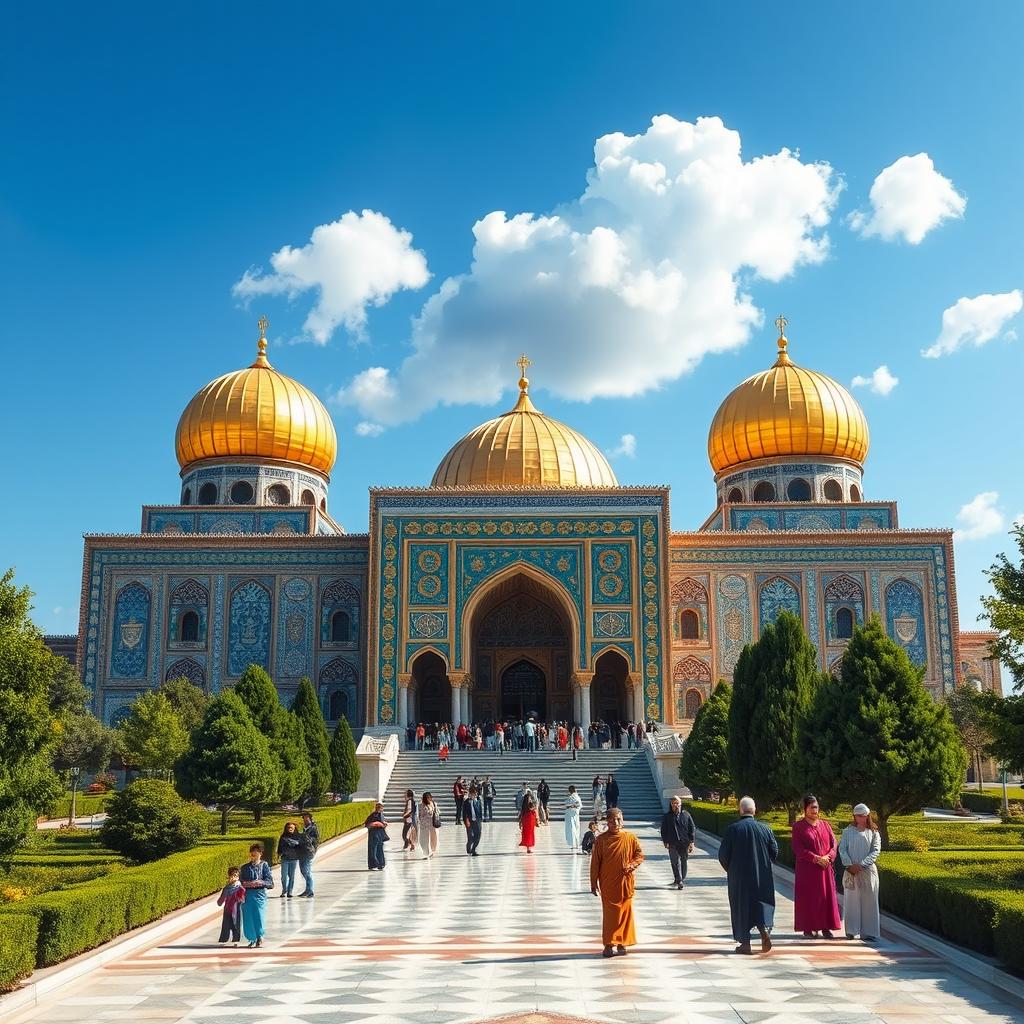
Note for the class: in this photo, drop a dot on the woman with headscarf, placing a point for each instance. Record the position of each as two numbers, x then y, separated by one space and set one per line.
859 847
573 806
427 823
815 906
376 826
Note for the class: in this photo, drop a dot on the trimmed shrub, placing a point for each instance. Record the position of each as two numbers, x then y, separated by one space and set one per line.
983 803
148 820
19 934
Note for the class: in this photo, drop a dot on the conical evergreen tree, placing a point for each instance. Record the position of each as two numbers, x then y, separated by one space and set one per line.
283 731
705 763
773 686
876 735
228 761
307 708
344 766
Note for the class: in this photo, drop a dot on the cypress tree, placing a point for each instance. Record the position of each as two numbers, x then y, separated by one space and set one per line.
704 766
773 686
307 708
344 766
875 735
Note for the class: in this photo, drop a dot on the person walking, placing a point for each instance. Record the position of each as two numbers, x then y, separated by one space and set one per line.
678 834
747 852
615 858
521 795
859 847
459 792
597 788
472 818
489 792
499 738
611 792
310 844
231 898
573 806
289 849
815 906
256 879
530 730
528 824
543 796
428 822
409 815
376 826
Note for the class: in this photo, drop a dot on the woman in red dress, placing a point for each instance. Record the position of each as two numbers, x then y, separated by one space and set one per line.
528 824
816 908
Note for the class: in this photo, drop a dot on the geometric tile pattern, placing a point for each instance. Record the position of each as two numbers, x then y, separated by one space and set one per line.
515 937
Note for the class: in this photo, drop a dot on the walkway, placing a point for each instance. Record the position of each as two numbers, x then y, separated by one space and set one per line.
461 939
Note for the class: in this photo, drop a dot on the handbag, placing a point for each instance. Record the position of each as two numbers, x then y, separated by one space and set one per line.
436 821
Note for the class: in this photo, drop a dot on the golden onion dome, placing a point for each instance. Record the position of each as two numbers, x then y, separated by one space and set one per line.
787 411
526 448
257 413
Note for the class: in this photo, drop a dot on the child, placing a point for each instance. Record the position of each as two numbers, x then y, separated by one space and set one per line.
442 753
589 836
231 898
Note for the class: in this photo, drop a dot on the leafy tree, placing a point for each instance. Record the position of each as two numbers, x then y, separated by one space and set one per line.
705 762
1005 609
152 737
773 686
28 728
344 766
67 694
307 708
187 699
228 761
1005 720
283 731
85 745
969 717
148 820
875 734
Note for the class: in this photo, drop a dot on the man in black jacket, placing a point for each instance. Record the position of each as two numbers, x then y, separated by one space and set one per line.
678 834
472 818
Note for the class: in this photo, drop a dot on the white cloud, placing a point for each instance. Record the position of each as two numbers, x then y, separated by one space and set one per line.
359 260
59 610
980 517
626 447
975 322
908 199
881 381
1018 519
366 429
620 289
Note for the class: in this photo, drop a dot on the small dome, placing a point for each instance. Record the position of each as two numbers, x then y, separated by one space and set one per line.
257 413
787 411
526 448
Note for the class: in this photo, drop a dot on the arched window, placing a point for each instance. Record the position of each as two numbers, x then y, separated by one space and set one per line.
693 703
278 494
844 623
323 504
186 497
735 495
764 491
689 625
308 497
798 490
188 628
208 494
241 492
854 493
339 628
833 490
338 707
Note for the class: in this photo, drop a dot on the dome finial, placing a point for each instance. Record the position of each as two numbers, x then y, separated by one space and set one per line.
524 402
261 345
782 323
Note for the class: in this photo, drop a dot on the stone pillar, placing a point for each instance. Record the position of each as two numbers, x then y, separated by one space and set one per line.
464 703
456 703
575 704
583 681
403 702
637 679
460 696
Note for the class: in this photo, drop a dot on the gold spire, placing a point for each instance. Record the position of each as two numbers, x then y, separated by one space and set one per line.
261 344
524 404
782 323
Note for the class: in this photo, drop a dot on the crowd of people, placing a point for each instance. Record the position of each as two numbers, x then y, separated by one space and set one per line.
526 734
747 852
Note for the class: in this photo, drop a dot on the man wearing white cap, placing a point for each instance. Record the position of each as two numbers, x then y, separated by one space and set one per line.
859 847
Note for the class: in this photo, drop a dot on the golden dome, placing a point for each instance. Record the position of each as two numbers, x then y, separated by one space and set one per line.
524 447
257 413
787 411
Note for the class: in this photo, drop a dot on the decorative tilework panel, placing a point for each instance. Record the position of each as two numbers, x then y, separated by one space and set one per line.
130 641
412 649
158 619
428 625
904 618
735 628
691 594
117 705
813 618
340 595
188 595
879 518
610 572
227 522
613 624
428 574
817 518
187 668
249 626
626 646
775 595
339 690
218 634
295 628
755 519
170 522
842 590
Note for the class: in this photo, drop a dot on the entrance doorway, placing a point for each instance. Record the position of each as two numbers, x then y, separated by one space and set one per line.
609 697
432 688
523 691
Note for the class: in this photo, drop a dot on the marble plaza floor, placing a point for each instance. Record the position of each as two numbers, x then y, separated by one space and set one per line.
460 939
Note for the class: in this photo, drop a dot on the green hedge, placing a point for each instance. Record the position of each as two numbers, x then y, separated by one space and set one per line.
85 805
18 939
82 916
983 803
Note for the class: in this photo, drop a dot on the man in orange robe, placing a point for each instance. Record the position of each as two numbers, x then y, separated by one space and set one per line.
616 857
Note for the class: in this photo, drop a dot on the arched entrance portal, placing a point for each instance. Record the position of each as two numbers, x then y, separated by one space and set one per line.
433 691
609 698
520 652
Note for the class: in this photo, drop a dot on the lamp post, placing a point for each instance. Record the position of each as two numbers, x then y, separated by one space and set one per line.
1006 802
74 794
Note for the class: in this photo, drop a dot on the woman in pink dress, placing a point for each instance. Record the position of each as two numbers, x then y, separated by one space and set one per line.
528 824
816 908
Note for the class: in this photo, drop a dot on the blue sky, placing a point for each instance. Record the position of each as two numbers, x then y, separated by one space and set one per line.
153 155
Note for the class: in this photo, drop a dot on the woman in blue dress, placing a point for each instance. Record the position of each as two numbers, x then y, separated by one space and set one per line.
256 880
376 828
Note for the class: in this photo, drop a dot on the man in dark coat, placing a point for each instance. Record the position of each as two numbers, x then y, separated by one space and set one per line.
747 853
611 793
678 834
472 818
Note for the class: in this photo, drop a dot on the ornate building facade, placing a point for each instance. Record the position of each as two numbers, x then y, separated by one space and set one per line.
523 579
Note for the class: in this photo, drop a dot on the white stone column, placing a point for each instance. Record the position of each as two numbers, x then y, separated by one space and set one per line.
464 704
403 702
456 704
639 713
583 681
575 704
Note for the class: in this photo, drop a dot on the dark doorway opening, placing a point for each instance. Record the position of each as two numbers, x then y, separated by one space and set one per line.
524 691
